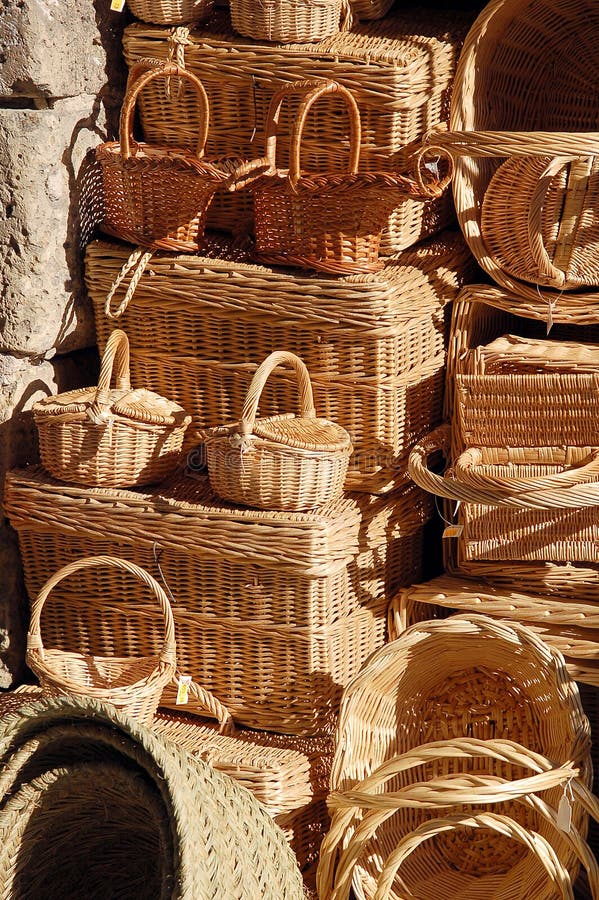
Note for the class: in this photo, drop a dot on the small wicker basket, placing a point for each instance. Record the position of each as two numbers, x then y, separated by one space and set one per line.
158 197
110 437
133 685
328 221
171 12
284 462
290 21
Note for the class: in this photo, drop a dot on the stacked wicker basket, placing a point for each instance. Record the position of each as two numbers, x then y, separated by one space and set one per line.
294 316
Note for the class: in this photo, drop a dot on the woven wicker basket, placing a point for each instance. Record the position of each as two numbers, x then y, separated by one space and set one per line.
133 685
330 221
158 196
96 805
522 90
171 12
116 437
399 70
403 723
285 462
290 21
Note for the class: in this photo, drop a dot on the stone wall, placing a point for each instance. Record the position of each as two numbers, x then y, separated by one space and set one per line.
61 84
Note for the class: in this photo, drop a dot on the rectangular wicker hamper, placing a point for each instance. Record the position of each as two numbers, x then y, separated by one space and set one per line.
373 344
399 69
274 612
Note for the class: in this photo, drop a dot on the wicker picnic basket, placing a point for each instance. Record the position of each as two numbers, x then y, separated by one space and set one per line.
289 21
452 715
94 804
171 12
523 131
326 220
283 462
116 437
158 196
132 684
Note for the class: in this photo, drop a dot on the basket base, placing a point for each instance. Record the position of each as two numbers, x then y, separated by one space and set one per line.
169 244
331 266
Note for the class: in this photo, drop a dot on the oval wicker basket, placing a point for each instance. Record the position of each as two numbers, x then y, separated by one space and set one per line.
283 462
110 437
289 21
456 714
133 685
525 86
158 197
171 12
329 221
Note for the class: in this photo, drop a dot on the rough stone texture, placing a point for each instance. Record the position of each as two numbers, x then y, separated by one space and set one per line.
49 205
58 48
21 384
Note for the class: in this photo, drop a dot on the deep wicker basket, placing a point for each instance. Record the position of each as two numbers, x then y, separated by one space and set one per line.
111 437
158 196
283 462
171 12
452 715
328 221
133 685
288 21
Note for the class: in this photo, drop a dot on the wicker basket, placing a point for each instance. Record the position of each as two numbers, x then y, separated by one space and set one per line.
288 22
522 90
115 437
133 685
332 220
400 71
158 196
171 12
96 805
283 462
440 682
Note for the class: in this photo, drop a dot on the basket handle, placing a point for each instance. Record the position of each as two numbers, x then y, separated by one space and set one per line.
583 473
166 70
261 375
114 361
579 494
516 143
579 173
212 705
167 654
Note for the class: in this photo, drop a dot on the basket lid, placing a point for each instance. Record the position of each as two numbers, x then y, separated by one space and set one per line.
139 405
303 432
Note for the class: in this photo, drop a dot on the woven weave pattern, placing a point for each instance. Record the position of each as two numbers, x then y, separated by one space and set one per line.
171 12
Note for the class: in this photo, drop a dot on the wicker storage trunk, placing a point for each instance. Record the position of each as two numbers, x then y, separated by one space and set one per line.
399 69
373 344
273 611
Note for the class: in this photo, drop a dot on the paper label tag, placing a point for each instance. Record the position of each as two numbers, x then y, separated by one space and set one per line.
453 531
564 815
117 5
183 690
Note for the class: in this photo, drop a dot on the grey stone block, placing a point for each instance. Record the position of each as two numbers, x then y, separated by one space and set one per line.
49 206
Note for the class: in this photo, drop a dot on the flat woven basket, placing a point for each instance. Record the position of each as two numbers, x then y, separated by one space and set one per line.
283 462
133 685
113 437
452 715
289 21
158 196
328 221
94 804
171 12
524 95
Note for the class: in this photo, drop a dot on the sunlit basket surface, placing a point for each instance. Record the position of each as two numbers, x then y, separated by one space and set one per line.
289 21
171 12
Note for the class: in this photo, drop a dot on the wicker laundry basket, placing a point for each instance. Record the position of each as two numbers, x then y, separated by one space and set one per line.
158 196
289 21
284 462
114 437
134 684
440 682
171 12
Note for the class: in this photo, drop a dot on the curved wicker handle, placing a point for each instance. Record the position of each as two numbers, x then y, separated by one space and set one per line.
312 91
261 375
115 360
213 706
536 844
516 143
579 494
167 70
506 486
573 205
435 187
34 638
